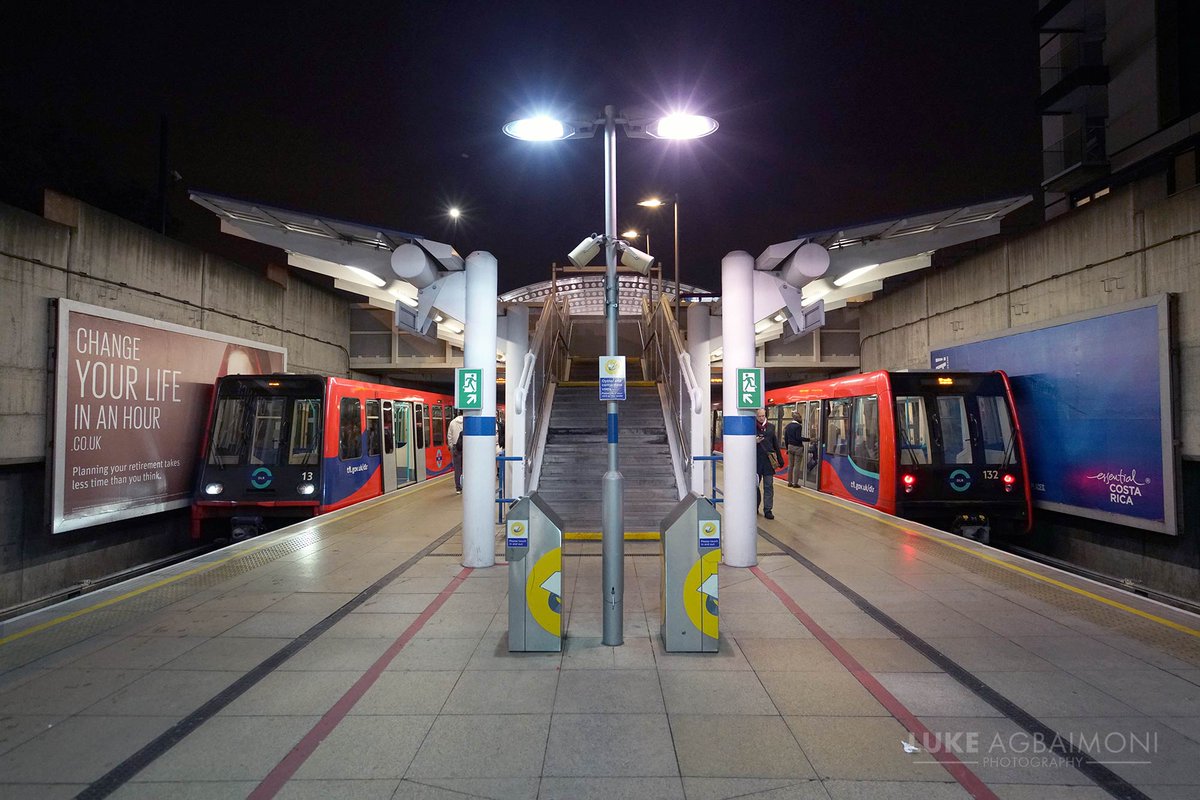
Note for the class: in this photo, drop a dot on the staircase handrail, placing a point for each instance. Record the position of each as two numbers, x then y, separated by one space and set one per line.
543 365
689 378
526 380
667 361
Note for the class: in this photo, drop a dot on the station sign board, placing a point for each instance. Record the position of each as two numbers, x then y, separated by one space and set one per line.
130 403
612 377
1101 442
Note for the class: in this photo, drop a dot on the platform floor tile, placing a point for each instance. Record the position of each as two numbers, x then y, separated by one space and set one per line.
610 745
736 746
609 691
371 747
861 749
483 746
756 788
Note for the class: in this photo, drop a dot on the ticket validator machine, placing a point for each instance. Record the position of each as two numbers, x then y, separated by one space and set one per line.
534 535
691 552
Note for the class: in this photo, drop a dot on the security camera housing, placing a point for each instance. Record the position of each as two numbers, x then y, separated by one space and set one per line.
636 260
586 250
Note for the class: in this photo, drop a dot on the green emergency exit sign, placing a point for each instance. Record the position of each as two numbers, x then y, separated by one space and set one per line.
468 394
750 388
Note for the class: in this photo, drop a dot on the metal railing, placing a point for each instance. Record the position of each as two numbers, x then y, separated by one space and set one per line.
665 359
502 502
1066 52
716 495
544 364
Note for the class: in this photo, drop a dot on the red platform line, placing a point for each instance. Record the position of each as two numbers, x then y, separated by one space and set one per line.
286 768
961 773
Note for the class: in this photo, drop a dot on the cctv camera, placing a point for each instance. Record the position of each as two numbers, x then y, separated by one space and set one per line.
586 250
636 260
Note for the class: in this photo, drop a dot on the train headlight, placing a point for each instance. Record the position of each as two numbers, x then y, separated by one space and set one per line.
1009 481
213 488
306 488
910 481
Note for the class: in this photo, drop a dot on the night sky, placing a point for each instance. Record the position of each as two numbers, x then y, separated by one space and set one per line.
831 113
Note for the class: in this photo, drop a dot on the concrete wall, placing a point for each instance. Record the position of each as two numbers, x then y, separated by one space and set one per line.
81 253
1131 244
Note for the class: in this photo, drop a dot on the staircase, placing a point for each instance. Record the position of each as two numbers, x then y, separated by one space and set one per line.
576 458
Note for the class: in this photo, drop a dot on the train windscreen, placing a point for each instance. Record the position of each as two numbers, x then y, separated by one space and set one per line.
256 424
953 420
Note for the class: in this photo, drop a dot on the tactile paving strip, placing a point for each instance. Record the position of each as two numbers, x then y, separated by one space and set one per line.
71 632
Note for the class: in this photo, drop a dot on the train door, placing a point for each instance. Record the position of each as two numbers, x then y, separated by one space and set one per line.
389 448
406 470
811 474
418 440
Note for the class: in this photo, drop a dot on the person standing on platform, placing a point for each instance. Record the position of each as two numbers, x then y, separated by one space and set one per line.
793 441
769 460
454 439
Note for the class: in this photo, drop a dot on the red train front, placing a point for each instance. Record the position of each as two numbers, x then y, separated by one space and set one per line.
281 448
935 447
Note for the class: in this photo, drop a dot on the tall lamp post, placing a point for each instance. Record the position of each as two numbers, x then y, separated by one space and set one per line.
547 128
654 202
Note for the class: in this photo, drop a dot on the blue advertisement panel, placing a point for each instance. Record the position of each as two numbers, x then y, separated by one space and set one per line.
1094 401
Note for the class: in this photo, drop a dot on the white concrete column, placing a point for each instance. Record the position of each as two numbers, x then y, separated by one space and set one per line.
516 337
479 427
737 341
699 348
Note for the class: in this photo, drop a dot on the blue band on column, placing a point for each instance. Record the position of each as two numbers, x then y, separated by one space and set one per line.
612 428
739 426
479 426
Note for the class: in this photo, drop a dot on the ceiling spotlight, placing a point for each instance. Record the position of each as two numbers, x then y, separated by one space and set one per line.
369 277
850 276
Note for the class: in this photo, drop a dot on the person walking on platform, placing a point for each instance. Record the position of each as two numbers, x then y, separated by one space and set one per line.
793 441
769 460
454 439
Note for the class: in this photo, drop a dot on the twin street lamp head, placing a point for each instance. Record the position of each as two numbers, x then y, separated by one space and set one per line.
545 128
676 126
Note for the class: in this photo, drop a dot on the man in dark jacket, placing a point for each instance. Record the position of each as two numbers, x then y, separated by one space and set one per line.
768 444
793 440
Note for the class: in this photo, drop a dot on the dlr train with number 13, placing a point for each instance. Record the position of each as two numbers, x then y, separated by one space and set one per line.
281 448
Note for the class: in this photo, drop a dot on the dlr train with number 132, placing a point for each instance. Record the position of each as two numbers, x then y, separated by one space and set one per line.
942 448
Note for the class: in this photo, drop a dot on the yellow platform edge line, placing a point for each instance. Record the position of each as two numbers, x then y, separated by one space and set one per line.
1020 570
595 536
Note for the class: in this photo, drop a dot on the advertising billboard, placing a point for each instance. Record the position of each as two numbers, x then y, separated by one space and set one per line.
131 396
1096 407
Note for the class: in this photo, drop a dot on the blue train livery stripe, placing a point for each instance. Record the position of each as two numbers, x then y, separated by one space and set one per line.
857 483
345 478
479 426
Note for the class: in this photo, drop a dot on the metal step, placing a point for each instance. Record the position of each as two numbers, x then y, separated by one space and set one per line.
575 459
